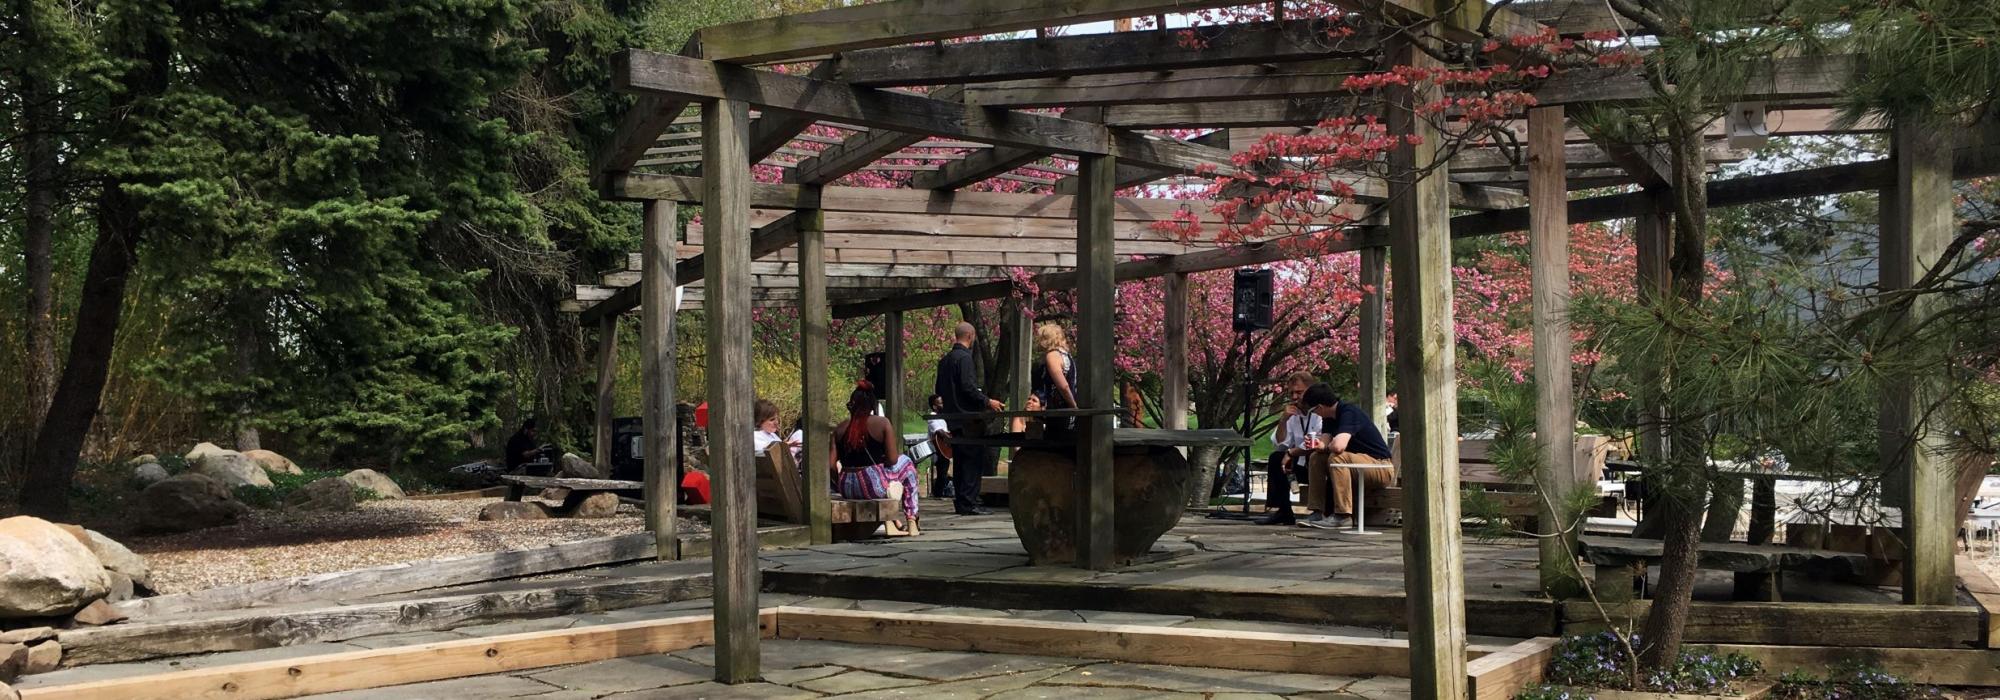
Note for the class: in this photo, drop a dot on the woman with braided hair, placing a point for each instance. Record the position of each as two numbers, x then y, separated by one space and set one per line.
863 463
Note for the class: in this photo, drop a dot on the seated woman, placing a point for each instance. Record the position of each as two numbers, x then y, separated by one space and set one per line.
1020 424
766 411
863 463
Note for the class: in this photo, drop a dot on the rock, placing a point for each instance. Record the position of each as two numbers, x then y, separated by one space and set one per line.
514 510
579 468
122 588
602 504
45 571
186 502
97 613
375 482
27 635
13 658
201 450
329 494
273 462
7 692
232 469
142 459
149 473
555 494
114 556
44 657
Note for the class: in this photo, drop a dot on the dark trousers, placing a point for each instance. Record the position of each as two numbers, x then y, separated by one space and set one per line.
940 467
1278 494
969 464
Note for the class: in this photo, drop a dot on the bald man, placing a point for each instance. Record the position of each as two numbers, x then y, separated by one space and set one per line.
958 386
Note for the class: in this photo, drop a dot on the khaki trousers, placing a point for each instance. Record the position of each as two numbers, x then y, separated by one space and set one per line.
1325 477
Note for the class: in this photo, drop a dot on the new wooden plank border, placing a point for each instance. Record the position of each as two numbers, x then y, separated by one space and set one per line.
1974 667
1500 675
392 666
1985 594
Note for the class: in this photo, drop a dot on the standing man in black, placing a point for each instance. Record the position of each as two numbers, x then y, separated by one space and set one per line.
959 388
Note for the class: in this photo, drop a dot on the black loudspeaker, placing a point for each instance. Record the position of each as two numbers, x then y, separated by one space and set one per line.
1253 300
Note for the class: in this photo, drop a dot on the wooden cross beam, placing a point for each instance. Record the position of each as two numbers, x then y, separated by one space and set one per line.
896 22
644 186
1088 54
695 79
1188 85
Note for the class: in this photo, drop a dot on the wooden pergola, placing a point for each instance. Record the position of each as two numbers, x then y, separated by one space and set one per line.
847 252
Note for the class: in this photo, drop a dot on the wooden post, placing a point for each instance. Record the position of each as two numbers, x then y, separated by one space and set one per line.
813 361
1649 234
725 166
1373 360
1174 371
892 371
1923 227
607 391
1097 293
1420 235
1020 319
1555 410
656 357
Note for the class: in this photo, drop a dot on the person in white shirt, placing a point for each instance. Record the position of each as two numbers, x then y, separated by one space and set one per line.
1294 441
767 427
941 486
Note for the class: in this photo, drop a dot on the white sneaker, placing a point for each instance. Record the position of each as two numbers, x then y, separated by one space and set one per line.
1312 520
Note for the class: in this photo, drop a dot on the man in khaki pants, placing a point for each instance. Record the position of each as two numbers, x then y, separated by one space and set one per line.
1348 436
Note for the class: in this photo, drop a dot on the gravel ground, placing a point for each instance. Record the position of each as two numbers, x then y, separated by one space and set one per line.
276 544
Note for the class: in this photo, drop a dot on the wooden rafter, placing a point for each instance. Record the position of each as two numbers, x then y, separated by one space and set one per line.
1087 54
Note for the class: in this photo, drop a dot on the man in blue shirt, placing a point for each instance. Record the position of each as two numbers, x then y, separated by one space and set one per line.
1348 436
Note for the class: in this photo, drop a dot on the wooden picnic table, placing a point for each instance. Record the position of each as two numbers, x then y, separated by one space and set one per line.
517 486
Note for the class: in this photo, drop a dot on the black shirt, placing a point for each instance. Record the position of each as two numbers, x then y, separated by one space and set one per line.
516 445
957 385
1363 436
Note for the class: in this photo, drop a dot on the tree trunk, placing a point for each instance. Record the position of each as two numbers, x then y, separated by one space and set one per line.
38 166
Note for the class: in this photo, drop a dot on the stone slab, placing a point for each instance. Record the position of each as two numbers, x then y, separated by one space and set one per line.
856 682
627 674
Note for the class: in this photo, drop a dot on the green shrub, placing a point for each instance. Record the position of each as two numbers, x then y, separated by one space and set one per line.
1850 680
1602 661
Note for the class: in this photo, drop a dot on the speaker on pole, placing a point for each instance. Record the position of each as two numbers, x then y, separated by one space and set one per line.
1253 300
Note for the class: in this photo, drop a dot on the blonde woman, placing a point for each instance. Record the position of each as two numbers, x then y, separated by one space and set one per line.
1053 380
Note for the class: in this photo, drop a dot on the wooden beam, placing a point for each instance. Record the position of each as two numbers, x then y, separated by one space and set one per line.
1372 358
644 186
726 264
892 361
1986 595
764 240
403 665
686 78
1088 54
1948 667
882 24
813 344
1857 625
1433 557
607 392
977 167
1316 78
1502 674
1097 297
860 150
1922 230
657 369
1555 407
1174 366
1764 80
1020 320
636 130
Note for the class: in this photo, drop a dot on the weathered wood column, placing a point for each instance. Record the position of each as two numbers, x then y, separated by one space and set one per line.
726 264
813 363
1174 367
1651 254
607 391
1555 410
1420 236
1373 358
892 371
1920 230
1020 320
656 358
1097 292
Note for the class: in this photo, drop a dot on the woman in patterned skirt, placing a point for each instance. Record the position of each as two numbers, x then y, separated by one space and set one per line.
863 463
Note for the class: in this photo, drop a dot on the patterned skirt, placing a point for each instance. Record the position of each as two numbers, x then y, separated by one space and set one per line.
872 483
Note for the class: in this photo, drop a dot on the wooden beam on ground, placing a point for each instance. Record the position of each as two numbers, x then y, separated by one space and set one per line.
726 207
1316 78
813 396
403 665
1097 297
658 373
686 78
1923 229
607 392
1502 674
1433 556
1804 624
1372 358
1986 595
1555 407
882 24
1088 54
1946 667
1143 644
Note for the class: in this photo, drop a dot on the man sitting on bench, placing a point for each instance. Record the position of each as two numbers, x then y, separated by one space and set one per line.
1289 453
1348 436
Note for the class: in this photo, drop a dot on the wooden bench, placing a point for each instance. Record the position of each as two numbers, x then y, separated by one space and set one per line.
575 489
1516 500
1621 561
781 496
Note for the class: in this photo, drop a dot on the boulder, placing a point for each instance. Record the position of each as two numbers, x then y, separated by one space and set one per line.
142 459
186 502
232 469
44 657
273 462
576 467
122 588
27 635
97 613
329 494
13 658
149 473
374 481
7 692
201 450
45 571
514 510
114 556
602 504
